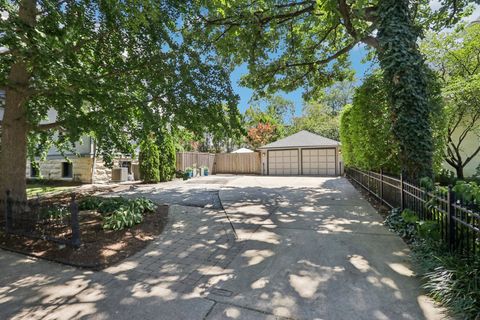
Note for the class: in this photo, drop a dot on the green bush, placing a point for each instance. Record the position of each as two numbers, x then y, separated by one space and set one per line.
403 223
149 159
89 203
168 157
56 212
467 192
118 213
366 129
122 218
445 177
452 280
127 214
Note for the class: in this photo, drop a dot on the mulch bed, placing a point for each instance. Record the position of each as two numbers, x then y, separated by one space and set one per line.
100 248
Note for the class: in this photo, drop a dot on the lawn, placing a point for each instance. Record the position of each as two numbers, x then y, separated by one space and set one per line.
34 189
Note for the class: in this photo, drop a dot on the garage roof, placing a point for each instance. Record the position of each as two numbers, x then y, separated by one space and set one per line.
302 139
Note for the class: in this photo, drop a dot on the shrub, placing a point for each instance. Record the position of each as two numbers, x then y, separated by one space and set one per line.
127 214
118 213
403 223
89 203
445 177
149 159
452 280
168 157
468 193
123 217
56 212
366 129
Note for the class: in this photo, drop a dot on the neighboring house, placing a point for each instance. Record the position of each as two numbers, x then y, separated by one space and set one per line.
303 153
467 148
82 165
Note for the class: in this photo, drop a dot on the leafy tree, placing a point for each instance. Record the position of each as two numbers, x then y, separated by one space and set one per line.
113 70
337 96
317 118
261 134
149 159
266 123
292 44
167 157
456 58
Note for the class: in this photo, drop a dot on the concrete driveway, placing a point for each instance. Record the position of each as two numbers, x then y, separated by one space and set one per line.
282 248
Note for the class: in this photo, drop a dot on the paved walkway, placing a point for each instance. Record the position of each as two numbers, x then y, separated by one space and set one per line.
288 248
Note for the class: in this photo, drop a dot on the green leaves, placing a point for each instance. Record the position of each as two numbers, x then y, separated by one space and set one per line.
117 70
366 129
406 80
149 159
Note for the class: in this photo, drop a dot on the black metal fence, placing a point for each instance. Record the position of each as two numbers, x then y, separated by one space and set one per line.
458 221
34 219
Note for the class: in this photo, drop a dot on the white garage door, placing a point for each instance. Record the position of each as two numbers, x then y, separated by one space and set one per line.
318 162
283 163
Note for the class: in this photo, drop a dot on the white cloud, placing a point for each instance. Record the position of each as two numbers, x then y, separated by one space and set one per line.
4 15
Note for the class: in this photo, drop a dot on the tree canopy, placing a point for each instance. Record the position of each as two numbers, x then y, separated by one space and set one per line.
292 44
455 56
113 70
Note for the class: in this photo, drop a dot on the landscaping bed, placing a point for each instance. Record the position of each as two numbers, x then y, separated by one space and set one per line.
101 243
449 278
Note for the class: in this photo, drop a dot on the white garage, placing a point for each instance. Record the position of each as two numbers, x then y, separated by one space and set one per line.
303 153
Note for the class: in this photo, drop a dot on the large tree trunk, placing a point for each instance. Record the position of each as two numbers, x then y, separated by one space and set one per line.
406 80
13 154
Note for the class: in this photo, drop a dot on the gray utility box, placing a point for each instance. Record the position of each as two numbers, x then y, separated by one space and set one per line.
119 174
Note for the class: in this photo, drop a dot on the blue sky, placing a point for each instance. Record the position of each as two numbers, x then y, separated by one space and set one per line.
356 56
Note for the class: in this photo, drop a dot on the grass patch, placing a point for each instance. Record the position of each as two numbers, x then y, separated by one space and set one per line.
39 189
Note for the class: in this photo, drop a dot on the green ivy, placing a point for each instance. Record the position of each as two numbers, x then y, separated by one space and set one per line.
406 81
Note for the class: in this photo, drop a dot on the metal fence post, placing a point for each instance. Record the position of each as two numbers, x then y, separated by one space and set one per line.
368 181
451 220
402 203
74 222
8 212
381 184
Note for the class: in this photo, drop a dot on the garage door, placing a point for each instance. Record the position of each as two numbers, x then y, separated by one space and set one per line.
283 162
318 162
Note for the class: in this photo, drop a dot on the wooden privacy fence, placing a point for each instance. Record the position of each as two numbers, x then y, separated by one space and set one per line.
238 163
198 159
458 221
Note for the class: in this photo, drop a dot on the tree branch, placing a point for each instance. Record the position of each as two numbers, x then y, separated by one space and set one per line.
323 61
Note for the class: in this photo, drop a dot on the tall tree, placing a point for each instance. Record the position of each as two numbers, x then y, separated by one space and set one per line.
114 70
317 118
455 56
266 120
292 44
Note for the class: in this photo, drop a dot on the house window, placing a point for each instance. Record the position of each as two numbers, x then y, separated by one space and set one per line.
34 172
67 170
